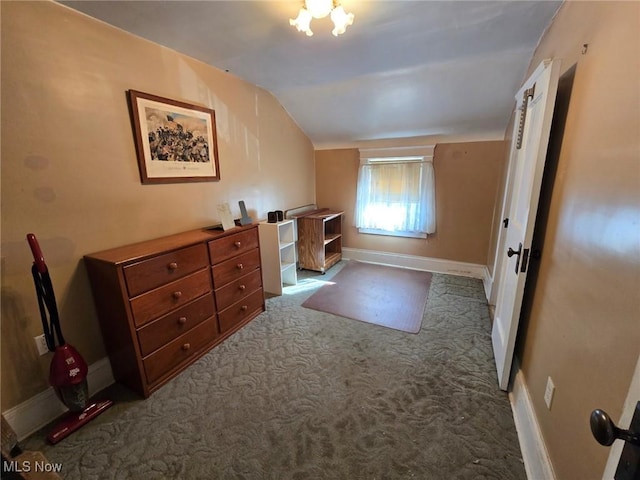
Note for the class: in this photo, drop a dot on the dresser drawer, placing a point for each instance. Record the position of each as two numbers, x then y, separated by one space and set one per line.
237 312
179 350
235 268
155 334
155 303
152 273
227 247
234 291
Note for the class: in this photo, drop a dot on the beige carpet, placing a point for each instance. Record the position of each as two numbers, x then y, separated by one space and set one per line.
387 296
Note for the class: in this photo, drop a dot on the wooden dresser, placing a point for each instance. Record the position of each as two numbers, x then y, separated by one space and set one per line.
164 303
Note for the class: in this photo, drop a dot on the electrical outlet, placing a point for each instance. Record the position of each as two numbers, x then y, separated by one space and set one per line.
548 392
41 343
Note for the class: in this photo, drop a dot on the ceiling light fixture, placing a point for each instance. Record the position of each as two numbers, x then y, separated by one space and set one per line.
320 9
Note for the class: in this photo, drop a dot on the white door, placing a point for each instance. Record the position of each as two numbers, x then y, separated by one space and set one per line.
536 101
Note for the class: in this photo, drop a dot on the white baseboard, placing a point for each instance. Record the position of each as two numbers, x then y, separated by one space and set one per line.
33 414
534 452
416 263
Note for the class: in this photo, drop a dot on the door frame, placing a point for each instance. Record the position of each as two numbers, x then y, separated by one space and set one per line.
633 395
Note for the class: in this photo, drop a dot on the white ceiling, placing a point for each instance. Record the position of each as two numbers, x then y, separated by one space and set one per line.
403 69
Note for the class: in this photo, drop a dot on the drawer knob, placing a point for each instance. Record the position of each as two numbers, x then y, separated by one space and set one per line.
182 320
173 266
243 307
186 346
242 287
240 266
177 295
238 244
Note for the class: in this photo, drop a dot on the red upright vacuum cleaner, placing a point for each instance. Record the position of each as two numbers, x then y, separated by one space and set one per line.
68 371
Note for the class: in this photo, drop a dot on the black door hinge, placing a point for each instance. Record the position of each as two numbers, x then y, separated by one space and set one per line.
505 222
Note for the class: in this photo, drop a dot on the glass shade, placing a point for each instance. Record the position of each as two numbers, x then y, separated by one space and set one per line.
318 9
341 20
302 22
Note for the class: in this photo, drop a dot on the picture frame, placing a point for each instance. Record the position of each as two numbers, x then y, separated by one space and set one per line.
175 141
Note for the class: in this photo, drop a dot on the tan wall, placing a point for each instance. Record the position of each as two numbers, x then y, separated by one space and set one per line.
467 179
69 170
584 324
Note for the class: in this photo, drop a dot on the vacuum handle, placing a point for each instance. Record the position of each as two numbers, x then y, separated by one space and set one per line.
38 258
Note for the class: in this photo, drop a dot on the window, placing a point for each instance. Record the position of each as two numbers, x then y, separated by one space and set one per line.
396 192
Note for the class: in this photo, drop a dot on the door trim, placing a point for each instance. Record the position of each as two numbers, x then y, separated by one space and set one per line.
624 421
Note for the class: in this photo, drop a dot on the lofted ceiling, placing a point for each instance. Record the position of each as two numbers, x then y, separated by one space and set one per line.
404 68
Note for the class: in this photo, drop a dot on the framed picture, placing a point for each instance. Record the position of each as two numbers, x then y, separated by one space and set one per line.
175 141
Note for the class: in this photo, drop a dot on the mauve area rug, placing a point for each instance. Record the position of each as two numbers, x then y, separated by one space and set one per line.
391 297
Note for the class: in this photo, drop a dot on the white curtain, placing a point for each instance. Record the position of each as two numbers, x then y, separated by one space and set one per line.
397 197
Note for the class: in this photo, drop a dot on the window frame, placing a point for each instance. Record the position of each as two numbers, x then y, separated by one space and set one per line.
403 155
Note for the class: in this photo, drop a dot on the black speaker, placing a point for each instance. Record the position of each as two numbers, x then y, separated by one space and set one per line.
272 217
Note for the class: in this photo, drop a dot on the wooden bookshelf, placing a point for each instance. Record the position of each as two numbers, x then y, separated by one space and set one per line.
319 239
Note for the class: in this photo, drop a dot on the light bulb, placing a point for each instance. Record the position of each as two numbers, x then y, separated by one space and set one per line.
319 8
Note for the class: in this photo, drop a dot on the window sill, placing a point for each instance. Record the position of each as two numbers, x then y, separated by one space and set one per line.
372 231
